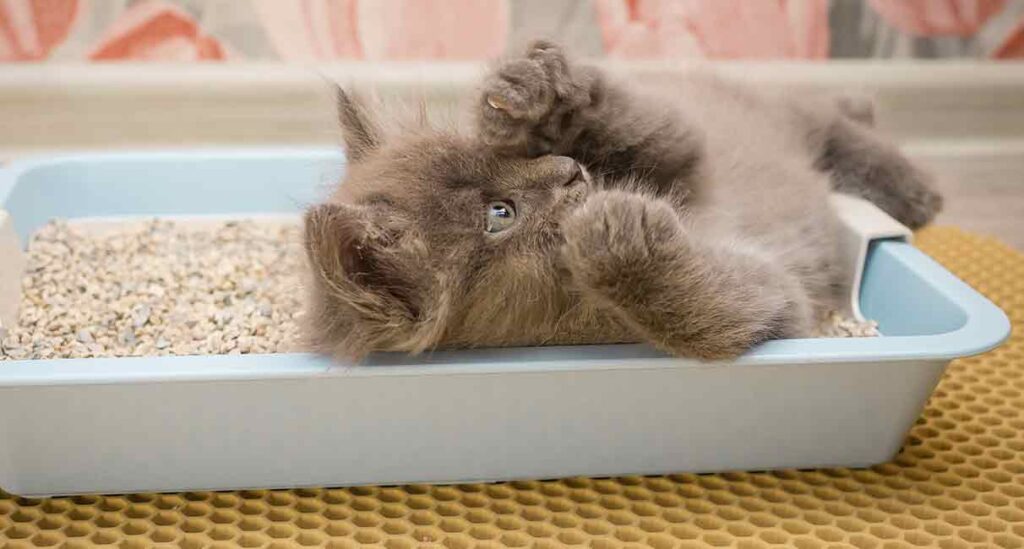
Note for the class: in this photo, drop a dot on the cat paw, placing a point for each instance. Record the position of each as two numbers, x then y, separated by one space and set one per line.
920 203
616 239
522 102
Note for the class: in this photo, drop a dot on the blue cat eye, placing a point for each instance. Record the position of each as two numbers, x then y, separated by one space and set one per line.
500 216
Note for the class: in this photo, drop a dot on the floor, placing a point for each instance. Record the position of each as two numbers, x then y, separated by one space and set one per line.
983 183
993 210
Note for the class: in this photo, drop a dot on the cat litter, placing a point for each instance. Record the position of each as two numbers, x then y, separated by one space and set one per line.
242 409
161 287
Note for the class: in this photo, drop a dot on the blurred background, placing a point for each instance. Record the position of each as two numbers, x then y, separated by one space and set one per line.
383 30
109 74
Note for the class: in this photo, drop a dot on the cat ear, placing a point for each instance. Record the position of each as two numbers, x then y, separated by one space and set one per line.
371 289
360 129
356 259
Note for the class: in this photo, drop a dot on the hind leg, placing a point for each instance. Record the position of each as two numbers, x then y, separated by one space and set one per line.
863 164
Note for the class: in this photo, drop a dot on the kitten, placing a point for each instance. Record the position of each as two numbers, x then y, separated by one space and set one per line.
579 210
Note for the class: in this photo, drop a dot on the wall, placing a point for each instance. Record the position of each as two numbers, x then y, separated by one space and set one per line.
328 30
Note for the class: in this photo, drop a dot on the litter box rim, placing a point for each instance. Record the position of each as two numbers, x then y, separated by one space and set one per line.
980 327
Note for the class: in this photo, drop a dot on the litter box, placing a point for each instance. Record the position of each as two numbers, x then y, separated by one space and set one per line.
290 420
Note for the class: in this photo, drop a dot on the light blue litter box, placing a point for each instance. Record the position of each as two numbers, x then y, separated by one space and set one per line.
288 420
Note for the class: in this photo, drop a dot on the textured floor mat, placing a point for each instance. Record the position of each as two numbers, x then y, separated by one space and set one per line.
958 482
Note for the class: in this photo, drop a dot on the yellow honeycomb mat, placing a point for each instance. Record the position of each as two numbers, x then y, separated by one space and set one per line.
958 482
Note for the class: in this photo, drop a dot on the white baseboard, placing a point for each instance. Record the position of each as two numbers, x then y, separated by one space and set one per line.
87 106
965 119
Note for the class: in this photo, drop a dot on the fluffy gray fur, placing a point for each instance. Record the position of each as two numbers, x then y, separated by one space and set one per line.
700 224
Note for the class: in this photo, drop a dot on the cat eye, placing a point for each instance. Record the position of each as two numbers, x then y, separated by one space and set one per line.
500 216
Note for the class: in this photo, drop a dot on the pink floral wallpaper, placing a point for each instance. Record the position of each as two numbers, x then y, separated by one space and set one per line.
715 29
324 30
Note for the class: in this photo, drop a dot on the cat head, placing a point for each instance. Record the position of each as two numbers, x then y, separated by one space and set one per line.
433 239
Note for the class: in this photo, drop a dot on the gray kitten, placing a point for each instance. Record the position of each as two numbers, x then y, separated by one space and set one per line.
579 210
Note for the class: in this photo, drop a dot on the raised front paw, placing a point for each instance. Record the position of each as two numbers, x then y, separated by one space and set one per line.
617 241
524 100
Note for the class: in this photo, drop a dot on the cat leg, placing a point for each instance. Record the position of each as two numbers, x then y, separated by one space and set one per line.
689 297
865 165
540 103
